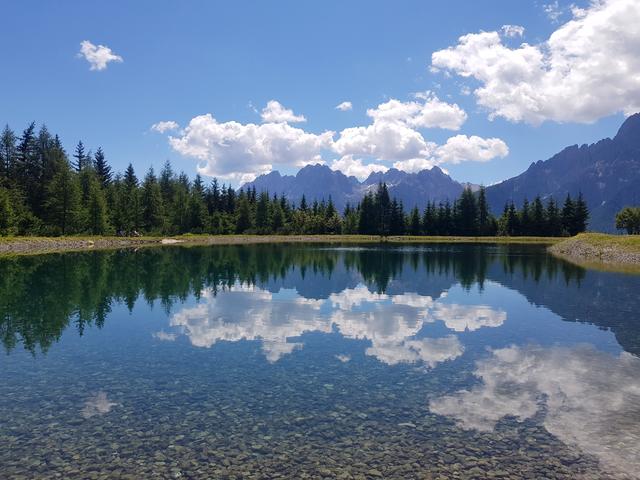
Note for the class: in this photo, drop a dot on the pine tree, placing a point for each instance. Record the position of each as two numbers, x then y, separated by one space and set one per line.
8 155
414 222
29 167
151 203
243 222
553 219
102 168
80 156
568 213
6 212
580 215
198 214
538 221
484 217
130 201
63 200
525 218
467 213
97 216
262 213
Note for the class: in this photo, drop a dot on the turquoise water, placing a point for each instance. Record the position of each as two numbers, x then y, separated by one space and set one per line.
293 361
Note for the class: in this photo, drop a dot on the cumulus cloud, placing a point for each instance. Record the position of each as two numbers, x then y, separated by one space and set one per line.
344 106
460 318
512 31
427 111
462 148
389 322
587 69
275 112
165 126
354 167
238 152
588 399
98 56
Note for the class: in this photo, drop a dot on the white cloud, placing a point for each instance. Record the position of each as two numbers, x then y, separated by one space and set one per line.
553 11
587 399
415 165
344 106
98 56
165 126
238 152
275 112
383 140
460 318
354 166
512 31
462 148
428 111
587 69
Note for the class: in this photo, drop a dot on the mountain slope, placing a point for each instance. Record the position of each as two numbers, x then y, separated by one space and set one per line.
607 173
319 182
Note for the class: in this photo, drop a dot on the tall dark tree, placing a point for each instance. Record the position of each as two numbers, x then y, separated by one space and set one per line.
80 156
102 168
8 155
151 203
63 200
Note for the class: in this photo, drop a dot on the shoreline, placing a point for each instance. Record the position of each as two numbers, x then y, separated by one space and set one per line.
10 246
619 253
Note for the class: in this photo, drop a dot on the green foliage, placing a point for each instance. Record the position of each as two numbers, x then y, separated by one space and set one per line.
629 219
43 192
63 201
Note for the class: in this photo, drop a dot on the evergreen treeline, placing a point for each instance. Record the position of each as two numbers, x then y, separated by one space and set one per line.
44 192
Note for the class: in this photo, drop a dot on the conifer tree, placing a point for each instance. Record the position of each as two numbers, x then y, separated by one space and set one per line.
151 203
63 200
102 168
80 157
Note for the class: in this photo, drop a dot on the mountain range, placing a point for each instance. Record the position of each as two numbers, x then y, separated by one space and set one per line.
607 173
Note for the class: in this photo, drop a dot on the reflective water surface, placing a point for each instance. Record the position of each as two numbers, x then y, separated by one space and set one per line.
293 361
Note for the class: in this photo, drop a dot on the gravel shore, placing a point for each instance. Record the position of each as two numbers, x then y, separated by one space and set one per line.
591 250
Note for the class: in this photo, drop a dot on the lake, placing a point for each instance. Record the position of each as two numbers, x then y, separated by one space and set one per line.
318 361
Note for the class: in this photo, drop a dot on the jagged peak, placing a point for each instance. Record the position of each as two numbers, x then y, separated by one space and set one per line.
629 132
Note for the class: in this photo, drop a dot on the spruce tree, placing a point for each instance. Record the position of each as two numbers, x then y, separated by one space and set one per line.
414 222
6 212
102 168
8 156
568 214
580 215
80 157
63 200
97 215
151 203
484 217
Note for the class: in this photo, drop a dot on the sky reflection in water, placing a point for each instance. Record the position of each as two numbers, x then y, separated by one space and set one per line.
504 338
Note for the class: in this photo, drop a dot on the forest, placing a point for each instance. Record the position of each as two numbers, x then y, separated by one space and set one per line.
44 191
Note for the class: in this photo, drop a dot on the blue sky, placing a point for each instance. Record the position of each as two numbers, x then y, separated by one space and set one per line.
228 59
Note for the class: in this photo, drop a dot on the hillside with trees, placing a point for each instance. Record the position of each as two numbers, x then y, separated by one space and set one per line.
44 191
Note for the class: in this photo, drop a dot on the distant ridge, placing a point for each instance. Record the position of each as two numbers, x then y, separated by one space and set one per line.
318 182
606 172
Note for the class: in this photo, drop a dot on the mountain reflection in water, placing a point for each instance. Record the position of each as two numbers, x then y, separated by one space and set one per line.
476 359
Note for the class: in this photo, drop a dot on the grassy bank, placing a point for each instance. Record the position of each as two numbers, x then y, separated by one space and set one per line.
599 250
35 245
